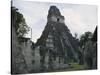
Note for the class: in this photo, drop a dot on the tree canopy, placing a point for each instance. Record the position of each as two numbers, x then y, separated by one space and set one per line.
20 25
85 37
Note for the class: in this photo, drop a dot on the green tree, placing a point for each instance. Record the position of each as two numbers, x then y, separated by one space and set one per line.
83 41
20 25
85 37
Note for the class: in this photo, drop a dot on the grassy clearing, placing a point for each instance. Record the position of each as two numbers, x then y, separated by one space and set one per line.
76 66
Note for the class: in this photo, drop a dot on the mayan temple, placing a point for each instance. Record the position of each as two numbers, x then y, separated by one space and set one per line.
56 47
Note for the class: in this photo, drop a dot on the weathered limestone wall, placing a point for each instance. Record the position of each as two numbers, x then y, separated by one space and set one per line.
27 52
18 60
37 64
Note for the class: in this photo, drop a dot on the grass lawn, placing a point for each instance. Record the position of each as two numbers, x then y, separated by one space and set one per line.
76 66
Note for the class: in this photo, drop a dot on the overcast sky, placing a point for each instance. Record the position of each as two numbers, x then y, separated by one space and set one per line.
78 18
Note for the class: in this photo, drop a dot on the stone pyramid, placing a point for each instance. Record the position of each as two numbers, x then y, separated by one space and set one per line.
56 41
